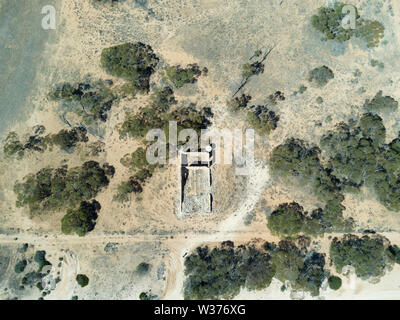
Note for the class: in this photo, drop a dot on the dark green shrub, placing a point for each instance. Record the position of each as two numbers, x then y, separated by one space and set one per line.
67 139
366 254
144 296
393 252
57 189
334 282
329 22
89 100
180 76
13 146
381 103
320 76
238 103
20 266
143 268
135 62
162 99
40 259
262 119
252 69
82 280
125 188
287 219
82 220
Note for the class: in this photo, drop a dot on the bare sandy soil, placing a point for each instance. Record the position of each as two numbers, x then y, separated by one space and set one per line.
220 35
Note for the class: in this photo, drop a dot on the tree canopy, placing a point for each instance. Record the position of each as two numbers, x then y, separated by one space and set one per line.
134 62
367 254
328 21
221 272
320 76
82 220
56 189
90 100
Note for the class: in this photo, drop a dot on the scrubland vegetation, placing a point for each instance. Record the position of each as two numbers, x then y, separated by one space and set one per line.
295 160
90 100
258 117
221 272
63 188
134 62
329 22
180 76
320 76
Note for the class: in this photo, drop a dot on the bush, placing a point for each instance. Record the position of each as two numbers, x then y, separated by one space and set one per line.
143 268
20 266
393 252
224 270
238 103
294 159
329 22
287 219
67 139
82 280
89 100
40 259
162 99
82 220
320 76
358 155
137 162
371 31
35 142
381 103
13 146
366 254
144 296
32 278
334 282
252 69
135 62
56 189
262 119
180 76
125 188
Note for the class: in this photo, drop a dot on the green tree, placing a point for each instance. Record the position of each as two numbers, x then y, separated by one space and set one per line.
287 219
381 103
320 76
143 268
40 259
82 220
82 280
67 139
13 146
135 62
334 282
180 76
57 189
90 100
329 22
366 254
20 266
